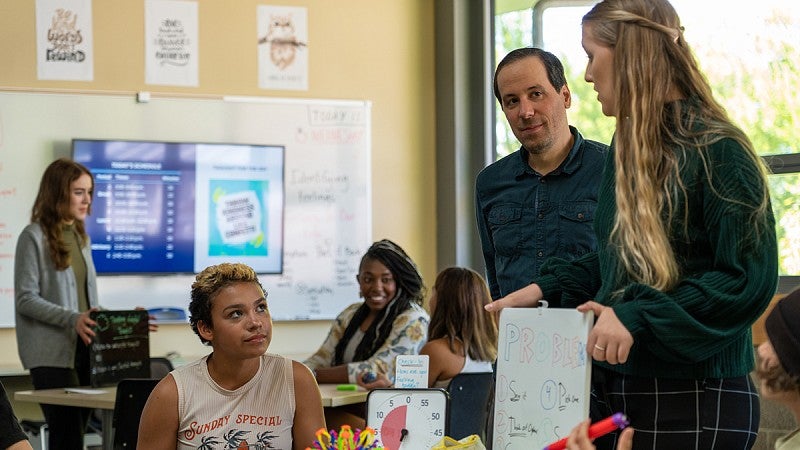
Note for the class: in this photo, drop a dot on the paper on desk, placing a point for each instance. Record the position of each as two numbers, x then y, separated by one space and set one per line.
85 391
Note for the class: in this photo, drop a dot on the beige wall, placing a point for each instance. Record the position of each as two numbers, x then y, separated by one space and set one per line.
358 49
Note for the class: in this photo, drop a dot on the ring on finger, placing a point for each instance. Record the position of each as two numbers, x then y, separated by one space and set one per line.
597 347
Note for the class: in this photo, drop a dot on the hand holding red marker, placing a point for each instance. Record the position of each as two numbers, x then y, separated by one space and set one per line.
597 429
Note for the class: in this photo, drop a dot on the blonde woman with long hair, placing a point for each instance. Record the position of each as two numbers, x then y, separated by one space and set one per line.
687 257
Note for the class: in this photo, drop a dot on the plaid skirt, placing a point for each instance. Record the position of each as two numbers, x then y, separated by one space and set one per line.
674 414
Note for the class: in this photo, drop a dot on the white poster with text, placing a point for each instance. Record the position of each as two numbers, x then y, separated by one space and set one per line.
64 47
171 52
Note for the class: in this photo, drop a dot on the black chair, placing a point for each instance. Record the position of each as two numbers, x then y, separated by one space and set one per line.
160 367
36 431
132 394
470 400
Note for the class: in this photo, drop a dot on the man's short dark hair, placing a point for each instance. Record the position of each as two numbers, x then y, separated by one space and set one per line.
553 66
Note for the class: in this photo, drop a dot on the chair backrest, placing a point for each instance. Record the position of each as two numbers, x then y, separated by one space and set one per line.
470 400
132 394
160 367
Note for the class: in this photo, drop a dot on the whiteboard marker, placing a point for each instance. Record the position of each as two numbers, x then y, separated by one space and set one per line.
596 430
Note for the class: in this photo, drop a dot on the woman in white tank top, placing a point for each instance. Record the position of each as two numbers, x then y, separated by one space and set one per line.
462 336
237 396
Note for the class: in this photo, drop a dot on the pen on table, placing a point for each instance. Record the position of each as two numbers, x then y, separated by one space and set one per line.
596 430
347 387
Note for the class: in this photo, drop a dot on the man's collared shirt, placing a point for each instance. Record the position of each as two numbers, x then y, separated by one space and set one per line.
524 217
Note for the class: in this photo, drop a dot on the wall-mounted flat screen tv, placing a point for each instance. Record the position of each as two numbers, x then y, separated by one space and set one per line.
178 207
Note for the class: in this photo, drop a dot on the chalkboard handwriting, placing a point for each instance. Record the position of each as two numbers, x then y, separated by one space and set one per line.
99 346
124 324
121 347
117 366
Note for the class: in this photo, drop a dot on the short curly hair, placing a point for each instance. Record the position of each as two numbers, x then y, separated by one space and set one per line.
208 283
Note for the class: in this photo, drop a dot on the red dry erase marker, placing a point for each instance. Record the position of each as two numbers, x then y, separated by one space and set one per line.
596 430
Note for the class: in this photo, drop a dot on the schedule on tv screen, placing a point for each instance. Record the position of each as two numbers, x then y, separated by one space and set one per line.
177 207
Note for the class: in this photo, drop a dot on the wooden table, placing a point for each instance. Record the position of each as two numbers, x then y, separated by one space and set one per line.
104 399
332 397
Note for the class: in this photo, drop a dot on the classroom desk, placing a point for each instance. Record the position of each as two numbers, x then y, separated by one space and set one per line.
332 397
104 399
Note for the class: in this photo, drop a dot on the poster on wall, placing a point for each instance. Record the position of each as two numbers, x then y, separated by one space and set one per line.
64 46
282 47
170 33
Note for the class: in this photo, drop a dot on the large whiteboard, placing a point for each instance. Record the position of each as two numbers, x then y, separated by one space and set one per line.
328 199
543 373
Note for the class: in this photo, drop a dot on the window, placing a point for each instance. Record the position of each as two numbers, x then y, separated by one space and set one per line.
751 56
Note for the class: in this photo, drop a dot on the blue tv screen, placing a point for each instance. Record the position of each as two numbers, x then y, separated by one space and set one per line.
178 207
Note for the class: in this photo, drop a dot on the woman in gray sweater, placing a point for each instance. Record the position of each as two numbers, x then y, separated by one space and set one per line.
55 290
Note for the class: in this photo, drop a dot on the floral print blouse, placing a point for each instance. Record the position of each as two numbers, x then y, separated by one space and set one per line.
409 333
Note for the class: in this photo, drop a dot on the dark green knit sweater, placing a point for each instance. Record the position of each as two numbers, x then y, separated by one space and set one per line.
701 328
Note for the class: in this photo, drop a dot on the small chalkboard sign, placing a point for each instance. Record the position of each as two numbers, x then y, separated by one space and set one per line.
121 347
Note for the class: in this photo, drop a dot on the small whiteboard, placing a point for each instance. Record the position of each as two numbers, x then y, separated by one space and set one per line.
543 376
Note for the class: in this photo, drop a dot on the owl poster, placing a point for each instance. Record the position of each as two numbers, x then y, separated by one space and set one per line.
282 47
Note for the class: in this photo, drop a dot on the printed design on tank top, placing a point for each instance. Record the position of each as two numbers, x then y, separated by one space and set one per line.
234 438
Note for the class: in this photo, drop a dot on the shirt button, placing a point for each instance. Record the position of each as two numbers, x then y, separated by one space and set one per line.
540 215
542 180
580 216
540 253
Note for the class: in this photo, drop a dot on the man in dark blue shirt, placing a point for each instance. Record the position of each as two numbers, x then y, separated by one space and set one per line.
537 202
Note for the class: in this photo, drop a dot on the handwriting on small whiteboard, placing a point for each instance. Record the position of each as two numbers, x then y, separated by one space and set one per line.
542 387
411 371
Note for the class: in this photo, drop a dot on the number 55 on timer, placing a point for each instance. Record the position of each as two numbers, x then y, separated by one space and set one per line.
408 418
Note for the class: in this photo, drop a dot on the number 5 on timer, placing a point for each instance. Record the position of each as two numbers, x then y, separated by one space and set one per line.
408 418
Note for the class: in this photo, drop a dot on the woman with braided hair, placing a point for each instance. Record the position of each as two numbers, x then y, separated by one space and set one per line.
367 336
687 255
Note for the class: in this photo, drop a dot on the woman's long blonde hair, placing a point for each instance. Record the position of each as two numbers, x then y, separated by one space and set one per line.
653 63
